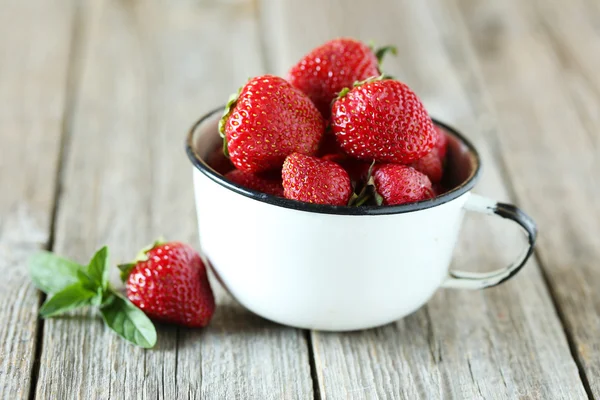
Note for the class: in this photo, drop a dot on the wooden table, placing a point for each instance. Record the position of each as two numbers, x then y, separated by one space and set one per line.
96 97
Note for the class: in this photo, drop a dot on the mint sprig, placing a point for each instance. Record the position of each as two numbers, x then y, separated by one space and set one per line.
128 321
70 285
70 298
51 273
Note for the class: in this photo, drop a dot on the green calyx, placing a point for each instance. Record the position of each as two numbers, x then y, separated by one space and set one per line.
70 286
356 84
381 77
380 52
141 256
231 102
368 194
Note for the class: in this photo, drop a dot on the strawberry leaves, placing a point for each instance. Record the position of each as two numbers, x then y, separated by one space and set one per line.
70 286
97 269
128 321
70 298
51 273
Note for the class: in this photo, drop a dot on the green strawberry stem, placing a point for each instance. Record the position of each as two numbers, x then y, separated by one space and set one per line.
141 256
382 51
345 91
368 193
70 286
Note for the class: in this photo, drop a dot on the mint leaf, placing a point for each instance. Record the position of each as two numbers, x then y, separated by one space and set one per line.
51 273
86 281
97 269
128 321
69 298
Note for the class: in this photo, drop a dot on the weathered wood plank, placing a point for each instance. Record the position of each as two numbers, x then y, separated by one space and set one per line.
149 70
34 58
540 114
572 35
505 342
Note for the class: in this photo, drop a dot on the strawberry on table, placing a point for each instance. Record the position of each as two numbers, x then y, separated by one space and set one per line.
260 183
267 121
333 66
313 180
169 283
383 120
399 184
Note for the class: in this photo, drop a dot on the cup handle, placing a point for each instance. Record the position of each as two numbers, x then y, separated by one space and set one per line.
478 280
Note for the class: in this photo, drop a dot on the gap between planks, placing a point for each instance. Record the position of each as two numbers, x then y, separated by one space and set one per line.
73 76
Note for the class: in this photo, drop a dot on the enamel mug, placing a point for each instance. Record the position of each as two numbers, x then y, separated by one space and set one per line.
339 268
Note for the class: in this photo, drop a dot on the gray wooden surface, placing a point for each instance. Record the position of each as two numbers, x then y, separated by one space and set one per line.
96 98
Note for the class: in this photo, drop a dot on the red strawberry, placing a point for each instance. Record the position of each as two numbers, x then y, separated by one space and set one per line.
269 120
312 180
336 65
441 142
383 120
430 165
169 283
399 184
256 182
217 161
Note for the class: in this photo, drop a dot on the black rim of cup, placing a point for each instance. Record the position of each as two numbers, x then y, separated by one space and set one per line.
456 192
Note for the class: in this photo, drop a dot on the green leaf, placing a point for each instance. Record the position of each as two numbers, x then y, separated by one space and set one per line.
231 102
141 256
378 198
382 51
69 298
86 281
352 199
128 321
51 273
97 269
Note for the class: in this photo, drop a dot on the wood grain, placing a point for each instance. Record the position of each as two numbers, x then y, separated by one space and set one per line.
560 184
571 34
505 342
149 70
34 58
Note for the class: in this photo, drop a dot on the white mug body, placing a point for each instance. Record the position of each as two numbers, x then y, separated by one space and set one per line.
324 271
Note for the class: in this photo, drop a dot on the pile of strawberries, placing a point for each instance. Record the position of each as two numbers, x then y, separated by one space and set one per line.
336 132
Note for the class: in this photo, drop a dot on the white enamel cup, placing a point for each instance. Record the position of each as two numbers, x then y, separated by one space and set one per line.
338 268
